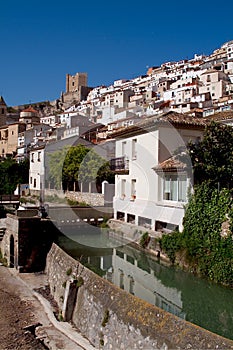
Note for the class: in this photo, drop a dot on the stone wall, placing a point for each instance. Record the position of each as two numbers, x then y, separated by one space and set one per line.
113 319
93 199
27 240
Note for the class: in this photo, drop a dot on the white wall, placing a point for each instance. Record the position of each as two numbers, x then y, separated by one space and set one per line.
152 147
36 171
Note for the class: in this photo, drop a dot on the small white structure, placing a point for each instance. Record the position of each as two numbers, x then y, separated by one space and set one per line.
36 170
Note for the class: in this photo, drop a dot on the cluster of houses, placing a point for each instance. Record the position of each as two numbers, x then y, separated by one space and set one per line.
135 124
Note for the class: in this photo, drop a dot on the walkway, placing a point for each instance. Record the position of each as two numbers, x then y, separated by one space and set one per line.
54 334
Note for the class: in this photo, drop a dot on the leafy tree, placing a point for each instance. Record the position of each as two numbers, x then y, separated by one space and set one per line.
56 162
71 165
105 174
95 168
84 165
74 165
23 171
11 174
212 157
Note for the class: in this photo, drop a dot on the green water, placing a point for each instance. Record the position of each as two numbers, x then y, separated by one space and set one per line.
199 301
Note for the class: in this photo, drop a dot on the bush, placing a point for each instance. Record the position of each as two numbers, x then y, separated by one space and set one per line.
145 239
206 250
172 243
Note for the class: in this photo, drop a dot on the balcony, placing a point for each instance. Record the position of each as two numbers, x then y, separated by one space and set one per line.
120 165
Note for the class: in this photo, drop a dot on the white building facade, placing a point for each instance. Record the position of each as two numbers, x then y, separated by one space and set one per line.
146 193
36 170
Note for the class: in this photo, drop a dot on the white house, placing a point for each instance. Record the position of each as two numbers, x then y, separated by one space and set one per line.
151 185
36 170
214 82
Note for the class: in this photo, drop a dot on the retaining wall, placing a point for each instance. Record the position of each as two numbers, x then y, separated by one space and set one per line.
113 319
27 240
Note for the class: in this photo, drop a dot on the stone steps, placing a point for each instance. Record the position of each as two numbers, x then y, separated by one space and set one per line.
2 232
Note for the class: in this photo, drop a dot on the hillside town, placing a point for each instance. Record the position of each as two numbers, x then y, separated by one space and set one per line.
137 123
149 159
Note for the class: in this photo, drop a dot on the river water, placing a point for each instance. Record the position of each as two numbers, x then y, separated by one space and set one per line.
192 298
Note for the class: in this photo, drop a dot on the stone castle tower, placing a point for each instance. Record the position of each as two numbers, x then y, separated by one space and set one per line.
74 82
3 111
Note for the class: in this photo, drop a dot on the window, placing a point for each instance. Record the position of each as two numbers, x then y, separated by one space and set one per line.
123 185
30 180
3 111
39 156
134 152
208 78
121 279
131 285
175 187
123 148
133 189
12 132
34 183
32 158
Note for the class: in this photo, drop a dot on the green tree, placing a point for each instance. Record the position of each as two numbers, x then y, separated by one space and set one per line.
71 165
56 162
105 174
95 168
77 165
23 171
11 174
212 157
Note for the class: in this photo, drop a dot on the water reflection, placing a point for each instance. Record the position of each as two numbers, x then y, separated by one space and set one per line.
194 299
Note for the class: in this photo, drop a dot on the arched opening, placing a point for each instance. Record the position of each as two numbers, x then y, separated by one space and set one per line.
12 251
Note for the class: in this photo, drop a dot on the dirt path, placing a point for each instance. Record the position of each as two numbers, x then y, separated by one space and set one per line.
21 306
16 312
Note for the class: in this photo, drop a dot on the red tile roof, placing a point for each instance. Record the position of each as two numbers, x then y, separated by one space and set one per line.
30 109
170 164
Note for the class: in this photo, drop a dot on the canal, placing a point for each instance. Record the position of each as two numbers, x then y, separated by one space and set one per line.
192 298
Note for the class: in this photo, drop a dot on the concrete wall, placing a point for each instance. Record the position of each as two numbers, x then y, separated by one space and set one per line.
113 319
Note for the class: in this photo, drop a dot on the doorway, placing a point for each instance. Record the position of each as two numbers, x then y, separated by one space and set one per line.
12 251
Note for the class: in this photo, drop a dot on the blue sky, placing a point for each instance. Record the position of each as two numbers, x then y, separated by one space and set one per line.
42 40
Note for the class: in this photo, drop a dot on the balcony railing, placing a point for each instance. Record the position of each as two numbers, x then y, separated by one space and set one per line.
120 165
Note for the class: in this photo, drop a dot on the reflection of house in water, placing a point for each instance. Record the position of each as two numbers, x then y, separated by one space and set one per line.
134 276
102 263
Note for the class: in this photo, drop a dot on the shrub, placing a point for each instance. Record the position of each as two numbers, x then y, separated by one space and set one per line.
206 250
69 271
145 239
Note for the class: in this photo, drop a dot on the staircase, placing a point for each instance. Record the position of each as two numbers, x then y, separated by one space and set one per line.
2 232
